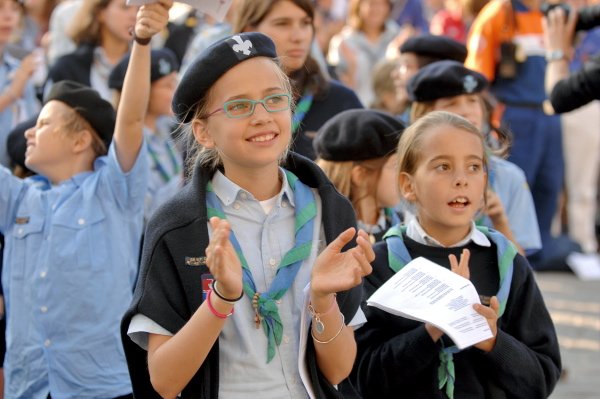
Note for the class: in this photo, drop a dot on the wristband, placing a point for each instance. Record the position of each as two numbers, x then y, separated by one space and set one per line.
227 300
215 311
143 41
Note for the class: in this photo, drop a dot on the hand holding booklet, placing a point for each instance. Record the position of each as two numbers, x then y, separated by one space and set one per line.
215 8
424 291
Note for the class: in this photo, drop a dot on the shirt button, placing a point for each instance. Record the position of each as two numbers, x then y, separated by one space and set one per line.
81 221
20 231
44 309
243 196
47 343
236 205
284 204
286 339
272 262
43 274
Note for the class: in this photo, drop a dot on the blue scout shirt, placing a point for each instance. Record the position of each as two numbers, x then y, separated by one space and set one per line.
20 110
71 259
509 182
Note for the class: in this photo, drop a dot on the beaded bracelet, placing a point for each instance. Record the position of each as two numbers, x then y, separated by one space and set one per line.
215 311
336 334
317 316
226 300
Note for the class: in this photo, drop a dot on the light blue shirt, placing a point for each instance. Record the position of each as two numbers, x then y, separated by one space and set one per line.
165 164
264 239
508 181
70 263
20 110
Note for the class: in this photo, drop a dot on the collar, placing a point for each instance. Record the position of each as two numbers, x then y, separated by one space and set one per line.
376 228
415 231
228 192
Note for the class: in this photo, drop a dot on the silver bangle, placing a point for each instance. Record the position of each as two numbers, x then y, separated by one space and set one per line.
336 334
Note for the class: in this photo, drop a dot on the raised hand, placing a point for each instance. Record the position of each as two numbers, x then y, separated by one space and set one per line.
222 260
491 315
461 268
336 271
152 18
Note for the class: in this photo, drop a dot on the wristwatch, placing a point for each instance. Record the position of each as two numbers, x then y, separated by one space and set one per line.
555 55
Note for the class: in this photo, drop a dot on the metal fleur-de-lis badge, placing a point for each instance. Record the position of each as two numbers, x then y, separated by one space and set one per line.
164 67
242 48
195 261
469 84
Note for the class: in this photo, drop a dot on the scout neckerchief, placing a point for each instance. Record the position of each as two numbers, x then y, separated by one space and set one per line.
165 176
398 257
301 110
264 303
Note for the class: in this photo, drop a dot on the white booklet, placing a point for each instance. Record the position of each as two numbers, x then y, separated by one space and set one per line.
215 8
424 291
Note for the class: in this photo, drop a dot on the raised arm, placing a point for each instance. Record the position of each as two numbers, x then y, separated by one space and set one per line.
151 19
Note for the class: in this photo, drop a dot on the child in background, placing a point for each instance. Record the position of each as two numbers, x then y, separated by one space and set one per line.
164 159
17 92
442 165
356 149
73 236
247 233
449 86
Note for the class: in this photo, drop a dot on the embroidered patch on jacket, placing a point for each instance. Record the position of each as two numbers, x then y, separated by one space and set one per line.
195 261
22 220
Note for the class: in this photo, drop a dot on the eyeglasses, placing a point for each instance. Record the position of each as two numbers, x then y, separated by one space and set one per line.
243 107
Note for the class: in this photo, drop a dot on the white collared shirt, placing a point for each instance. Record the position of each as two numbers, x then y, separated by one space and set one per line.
415 232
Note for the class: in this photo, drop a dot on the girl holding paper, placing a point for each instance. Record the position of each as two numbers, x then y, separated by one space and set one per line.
443 175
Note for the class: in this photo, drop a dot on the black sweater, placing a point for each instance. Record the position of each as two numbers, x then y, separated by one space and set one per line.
397 357
169 291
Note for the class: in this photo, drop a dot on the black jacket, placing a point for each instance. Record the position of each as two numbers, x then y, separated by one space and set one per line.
398 359
74 66
577 89
169 292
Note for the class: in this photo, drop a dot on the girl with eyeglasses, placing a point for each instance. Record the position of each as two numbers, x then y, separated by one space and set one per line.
250 276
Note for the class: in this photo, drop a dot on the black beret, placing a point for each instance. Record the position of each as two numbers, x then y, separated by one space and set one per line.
444 79
441 47
212 63
162 63
16 143
88 104
358 135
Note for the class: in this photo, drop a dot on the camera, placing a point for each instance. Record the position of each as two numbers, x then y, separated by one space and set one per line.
546 7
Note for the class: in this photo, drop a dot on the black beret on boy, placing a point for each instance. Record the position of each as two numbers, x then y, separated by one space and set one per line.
358 135
162 63
16 143
441 47
444 79
88 104
212 63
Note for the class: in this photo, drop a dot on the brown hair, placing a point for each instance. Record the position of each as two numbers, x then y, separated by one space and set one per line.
85 28
354 20
73 122
250 13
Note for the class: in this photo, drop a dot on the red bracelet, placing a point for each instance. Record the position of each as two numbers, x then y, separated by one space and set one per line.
215 311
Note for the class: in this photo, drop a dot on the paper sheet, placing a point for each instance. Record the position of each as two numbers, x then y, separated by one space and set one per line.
215 8
427 292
